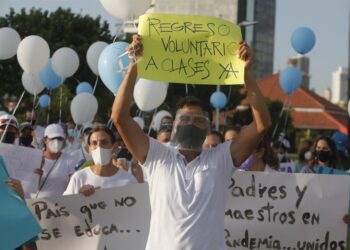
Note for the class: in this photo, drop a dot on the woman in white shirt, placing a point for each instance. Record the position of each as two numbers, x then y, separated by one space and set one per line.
103 173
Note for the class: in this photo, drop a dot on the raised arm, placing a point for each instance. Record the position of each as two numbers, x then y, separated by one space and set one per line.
133 136
251 135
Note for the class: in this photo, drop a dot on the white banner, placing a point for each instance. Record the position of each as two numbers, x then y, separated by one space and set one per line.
20 162
264 211
116 218
286 211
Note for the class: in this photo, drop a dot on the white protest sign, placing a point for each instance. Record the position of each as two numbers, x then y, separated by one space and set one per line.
287 167
116 218
286 211
20 162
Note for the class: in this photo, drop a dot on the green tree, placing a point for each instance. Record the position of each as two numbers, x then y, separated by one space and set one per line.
60 28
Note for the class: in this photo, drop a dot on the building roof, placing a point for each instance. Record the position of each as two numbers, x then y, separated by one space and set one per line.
309 110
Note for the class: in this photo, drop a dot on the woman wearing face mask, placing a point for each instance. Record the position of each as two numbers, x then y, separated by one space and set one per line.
323 154
103 173
304 155
26 135
56 166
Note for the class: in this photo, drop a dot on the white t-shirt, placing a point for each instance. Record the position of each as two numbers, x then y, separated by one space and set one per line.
57 180
86 176
187 200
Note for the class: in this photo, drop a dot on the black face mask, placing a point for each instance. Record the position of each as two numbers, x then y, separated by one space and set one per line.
189 137
26 140
9 137
323 155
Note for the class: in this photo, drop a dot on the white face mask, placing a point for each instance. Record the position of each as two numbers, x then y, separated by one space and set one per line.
55 146
101 156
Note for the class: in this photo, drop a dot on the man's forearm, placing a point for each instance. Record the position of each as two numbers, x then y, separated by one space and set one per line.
259 108
123 99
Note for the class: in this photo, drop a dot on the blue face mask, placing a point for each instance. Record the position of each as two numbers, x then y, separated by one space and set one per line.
247 163
72 133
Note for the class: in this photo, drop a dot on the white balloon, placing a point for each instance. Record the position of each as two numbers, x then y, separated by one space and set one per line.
139 121
32 83
65 62
33 53
149 94
155 124
83 108
93 54
126 9
9 40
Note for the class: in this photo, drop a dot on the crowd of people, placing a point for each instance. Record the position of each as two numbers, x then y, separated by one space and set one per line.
187 164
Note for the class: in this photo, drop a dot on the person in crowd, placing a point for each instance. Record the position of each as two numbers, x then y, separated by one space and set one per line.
102 173
164 132
10 134
281 147
304 155
26 134
56 166
16 186
73 140
188 186
231 133
264 158
81 157
323 154
213 139
38 135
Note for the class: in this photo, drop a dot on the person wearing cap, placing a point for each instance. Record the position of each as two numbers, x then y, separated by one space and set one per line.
102 173
8 128
188 185
26 135
56 166
164 132
38 134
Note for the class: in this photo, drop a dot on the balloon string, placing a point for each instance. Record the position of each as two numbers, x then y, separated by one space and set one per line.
48 111
228 101
60 114
117 33
95 85
77 80
279 117
186 90
13 113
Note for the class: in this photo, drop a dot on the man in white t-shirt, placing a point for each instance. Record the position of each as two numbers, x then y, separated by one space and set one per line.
56 166
102 174
188 186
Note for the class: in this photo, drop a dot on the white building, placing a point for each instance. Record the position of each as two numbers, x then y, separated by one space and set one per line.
327 94
340 86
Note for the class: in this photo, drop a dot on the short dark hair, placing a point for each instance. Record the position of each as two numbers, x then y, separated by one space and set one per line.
194 101
218 134
103 129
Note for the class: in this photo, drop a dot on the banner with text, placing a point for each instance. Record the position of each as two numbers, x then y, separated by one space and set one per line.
264 211
286 211
190 49
116 218
20 162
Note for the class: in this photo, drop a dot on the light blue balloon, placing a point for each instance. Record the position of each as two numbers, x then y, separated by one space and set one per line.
109 65
49 78
290 79
303 40
218 100
84 87
44 101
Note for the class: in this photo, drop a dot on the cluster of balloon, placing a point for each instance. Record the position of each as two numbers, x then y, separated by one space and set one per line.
111 65
218 100
149 94
126 9
303 40
83 108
